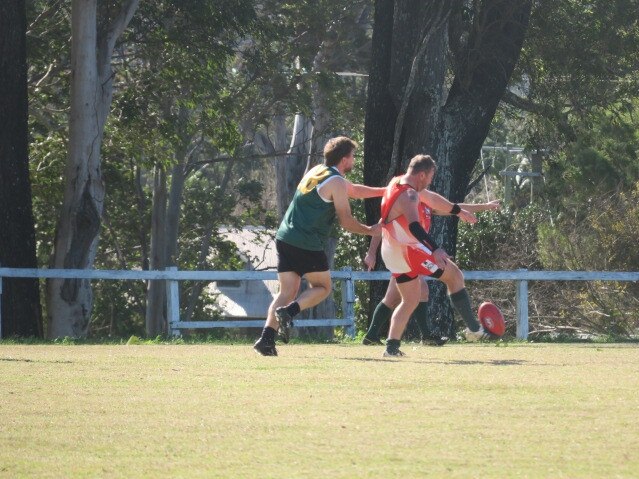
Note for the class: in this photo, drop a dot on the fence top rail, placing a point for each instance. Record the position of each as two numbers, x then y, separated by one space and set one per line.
347 273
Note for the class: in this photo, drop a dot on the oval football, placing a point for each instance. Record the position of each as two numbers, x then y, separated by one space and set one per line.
491 319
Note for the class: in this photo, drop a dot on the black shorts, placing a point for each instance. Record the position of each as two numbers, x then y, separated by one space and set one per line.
406 277
298 260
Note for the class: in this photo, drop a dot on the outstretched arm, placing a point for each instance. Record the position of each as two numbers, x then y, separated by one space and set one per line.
338 191
442 207
357 191
477 207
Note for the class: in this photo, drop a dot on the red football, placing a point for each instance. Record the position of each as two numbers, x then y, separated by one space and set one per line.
491 318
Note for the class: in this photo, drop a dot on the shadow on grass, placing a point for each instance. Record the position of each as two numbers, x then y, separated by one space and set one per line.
458 362
24 360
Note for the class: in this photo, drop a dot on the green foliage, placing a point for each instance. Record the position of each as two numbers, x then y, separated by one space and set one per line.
501 239
581 54
193 79
602 161
578 81
602 238
479 244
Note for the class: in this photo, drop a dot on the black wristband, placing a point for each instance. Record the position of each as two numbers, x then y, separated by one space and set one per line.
455 210
422 236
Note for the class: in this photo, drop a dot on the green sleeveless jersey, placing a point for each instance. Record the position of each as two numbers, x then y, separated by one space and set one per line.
309 220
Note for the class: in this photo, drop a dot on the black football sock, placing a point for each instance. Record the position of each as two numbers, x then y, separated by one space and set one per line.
461 304
381 316
293 308
421 318
268 334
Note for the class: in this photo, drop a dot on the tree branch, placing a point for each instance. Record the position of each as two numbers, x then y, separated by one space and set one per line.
525 104
473 183
120 23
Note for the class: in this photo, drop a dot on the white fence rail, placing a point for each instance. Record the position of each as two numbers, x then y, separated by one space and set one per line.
172 277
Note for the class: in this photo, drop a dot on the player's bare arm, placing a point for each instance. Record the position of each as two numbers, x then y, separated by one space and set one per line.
357 191
371 255
336 191
477 207
442 207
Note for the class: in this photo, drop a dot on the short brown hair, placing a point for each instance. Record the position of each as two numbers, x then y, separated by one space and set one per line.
419 163
337 148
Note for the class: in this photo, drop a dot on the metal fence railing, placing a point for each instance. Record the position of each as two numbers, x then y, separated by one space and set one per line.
173 276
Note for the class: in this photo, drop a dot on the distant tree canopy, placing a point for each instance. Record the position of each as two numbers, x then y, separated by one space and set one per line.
205 97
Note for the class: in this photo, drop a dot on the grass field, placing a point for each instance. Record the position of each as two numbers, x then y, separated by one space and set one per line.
320 411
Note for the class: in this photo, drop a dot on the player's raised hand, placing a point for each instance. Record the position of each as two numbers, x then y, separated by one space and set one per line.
493 205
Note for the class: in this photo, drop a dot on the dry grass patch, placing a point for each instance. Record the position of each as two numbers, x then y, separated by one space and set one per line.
329 411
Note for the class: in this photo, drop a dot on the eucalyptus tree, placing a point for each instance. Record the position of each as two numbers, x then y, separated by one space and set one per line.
299 96
579 90
174 117
21 312
95 29
438 72
177 52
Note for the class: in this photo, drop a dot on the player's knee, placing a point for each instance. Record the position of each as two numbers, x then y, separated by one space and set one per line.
459 280
455 278
284 297
391 302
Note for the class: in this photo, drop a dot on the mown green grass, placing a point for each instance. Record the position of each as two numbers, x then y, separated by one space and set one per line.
319 411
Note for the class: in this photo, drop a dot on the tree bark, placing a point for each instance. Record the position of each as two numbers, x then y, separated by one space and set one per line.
290 168
411 109
21 312
156 290
69 302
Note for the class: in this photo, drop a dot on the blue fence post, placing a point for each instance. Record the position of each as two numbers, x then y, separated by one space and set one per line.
348 301
172 304
522 308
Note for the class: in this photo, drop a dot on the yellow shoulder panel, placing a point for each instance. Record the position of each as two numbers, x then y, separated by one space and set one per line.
314 177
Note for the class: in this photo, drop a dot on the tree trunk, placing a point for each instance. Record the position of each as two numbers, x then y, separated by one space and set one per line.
156 290
142 222
178 178
69 302
291 167
21 312
408 95
321 115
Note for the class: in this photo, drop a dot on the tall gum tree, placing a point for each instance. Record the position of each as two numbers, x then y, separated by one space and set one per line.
438 72
21 313
69 301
